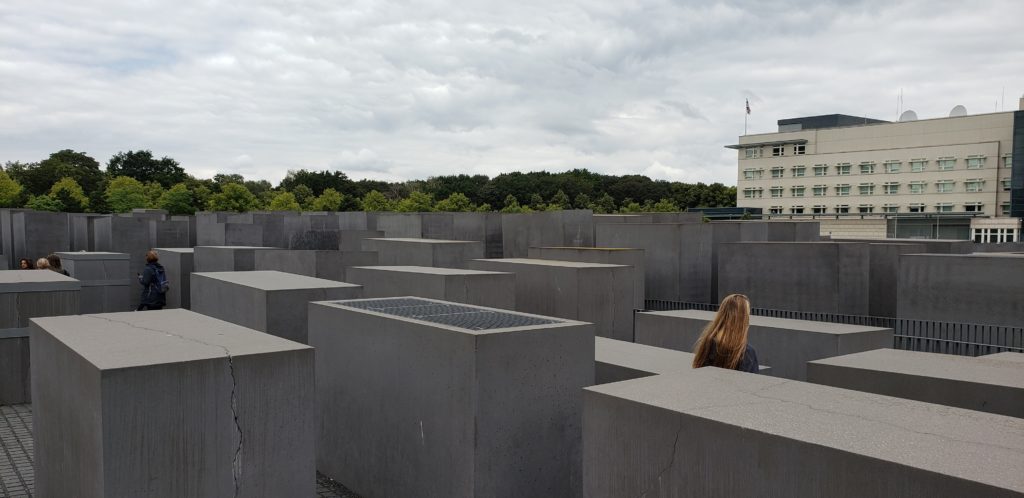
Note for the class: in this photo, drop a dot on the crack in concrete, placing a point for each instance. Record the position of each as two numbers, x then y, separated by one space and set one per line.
671 461
236 461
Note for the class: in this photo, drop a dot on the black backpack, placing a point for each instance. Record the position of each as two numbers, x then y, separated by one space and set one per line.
161 285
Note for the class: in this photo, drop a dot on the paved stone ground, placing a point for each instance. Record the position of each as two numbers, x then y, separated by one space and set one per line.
17 477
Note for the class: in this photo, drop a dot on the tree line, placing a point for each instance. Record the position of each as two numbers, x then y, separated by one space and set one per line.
72 181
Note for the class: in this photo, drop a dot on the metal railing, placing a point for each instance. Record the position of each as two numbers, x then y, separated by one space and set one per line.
966 339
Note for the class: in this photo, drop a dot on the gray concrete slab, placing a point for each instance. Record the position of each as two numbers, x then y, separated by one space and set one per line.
884 275
400 225
598 293
608 255
105 278
352 240
132 236
268 301
15 386
951 380
178 263
1005 356
472 412
616 361
962 288
424 252
521 231
934 246
482 288
163 391
714 432
34 234
678 257
822 277
315 240
226 258
786 345
331 265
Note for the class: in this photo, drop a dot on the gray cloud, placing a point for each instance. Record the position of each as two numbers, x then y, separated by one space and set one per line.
401 90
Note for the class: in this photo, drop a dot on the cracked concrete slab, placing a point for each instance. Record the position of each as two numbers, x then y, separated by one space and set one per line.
178 404
745 434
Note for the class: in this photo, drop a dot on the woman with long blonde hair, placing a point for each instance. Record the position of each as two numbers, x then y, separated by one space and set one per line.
724 341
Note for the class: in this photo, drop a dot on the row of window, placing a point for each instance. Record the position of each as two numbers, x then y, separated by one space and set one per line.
942 207
889 188
777 151
870 168
994 235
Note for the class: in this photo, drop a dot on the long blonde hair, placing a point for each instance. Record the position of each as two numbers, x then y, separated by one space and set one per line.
727 333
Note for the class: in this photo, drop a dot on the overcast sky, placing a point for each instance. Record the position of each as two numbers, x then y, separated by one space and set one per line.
398 90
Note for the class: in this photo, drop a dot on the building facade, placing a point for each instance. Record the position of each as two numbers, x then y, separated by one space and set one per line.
845 166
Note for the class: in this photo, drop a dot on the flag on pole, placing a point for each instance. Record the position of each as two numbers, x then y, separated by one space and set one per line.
748 106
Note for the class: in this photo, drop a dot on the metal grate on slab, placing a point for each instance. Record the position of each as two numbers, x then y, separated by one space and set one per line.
450 314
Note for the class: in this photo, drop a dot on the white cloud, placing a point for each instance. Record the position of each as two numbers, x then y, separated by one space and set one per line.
393 90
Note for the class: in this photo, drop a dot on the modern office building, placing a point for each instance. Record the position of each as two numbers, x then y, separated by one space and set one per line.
962 174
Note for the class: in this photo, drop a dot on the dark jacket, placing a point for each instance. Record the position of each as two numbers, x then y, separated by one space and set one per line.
151 295
747 364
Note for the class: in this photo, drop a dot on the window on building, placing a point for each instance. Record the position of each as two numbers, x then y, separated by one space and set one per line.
975 162
752 192
1007 161
842 169
892 166
944 207
1005 208
867 188
778 150
918 165
799 171
752 152
842 189
796 210
820 190
865 209
799 149
867 168
819 209
752 174
778 172
918 187
776 191
974 207
890 208
946 163
820 169
842 209
974 185
891 188
775 210
797 191
916 208
944 186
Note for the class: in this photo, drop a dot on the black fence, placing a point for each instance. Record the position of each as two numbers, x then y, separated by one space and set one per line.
966 339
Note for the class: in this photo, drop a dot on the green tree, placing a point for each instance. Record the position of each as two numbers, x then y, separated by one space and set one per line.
153 193
70 194
582 201
375 201
536 202
329 200
124 194
38 178
417 202
284 201
233 197
605 204
512 205
142 166
319 181
560 201
455 202
665 206
630 206
303 195
44 203
177 200
10 190
484 208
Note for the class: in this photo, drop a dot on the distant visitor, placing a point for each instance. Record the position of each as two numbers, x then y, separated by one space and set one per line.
724 341
154 284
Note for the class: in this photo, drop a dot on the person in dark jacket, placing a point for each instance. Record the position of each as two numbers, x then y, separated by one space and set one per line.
153 298
55 264
27 264
724 341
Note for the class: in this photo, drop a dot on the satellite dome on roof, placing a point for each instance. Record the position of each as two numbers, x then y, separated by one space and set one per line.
958 111
908 115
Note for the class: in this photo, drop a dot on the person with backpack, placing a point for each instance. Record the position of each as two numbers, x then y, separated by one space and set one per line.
154 284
